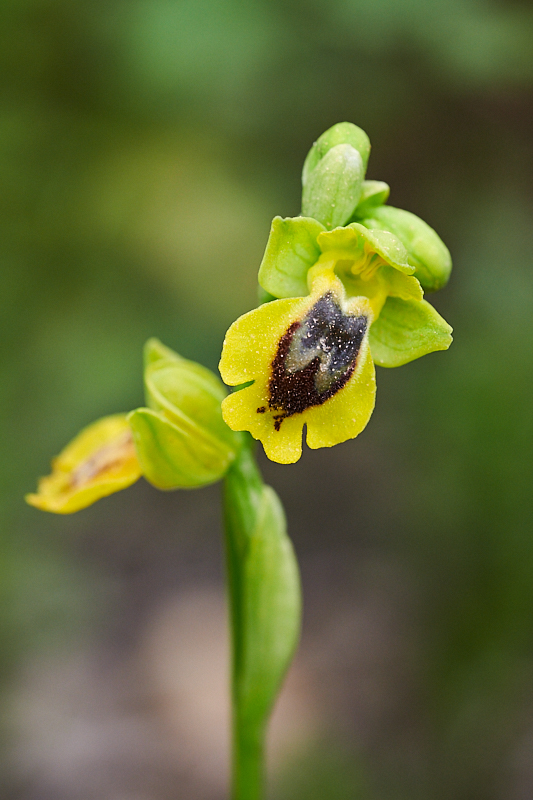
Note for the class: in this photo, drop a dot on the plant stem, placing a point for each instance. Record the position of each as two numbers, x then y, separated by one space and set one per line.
241 498
248 760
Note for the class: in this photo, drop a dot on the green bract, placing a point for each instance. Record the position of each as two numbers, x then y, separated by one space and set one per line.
264 596
181 439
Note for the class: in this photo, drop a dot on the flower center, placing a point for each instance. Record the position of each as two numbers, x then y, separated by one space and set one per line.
315 358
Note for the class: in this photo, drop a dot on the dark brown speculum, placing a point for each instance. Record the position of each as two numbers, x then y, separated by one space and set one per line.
315 358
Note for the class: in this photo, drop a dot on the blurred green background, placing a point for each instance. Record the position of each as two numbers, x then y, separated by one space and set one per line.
144 148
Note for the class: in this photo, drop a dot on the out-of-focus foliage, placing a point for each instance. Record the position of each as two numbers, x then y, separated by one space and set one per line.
144 149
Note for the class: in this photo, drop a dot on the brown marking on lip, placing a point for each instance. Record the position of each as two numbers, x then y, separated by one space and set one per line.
109 457
261 410
338 338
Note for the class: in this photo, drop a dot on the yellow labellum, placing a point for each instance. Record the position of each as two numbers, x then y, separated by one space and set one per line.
99 461
310 363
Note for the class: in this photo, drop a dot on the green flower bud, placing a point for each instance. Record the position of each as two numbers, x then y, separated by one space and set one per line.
427 252
333 189
341 133
181 439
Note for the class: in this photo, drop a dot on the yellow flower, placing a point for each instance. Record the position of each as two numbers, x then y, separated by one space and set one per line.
99 461
347 297
310 363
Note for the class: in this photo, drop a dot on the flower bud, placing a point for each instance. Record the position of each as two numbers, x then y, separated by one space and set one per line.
181 439
99 461
427 252
333 189
341 133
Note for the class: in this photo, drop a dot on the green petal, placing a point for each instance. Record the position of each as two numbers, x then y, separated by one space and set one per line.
333 189
427 252
291 250
355 236
405 330
401 285
374 194
177 458
341 133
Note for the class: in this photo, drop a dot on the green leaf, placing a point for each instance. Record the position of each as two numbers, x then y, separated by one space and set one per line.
405 330
333 189
291 250
265 610
271 608
374 193
427 252
177 457
341 133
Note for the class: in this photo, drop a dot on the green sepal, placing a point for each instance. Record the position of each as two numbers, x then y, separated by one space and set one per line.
186 392
427 252
341 133
333 189
264 596
405 330
291 250
154 350
374 193
181 439
177 457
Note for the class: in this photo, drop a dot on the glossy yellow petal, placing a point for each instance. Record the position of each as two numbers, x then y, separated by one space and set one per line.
241 412
99 461
249 342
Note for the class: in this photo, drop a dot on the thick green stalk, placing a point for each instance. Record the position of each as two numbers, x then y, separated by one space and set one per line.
264 606
241 498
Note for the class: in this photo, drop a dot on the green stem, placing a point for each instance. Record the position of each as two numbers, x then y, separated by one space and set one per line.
241 498
248 760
